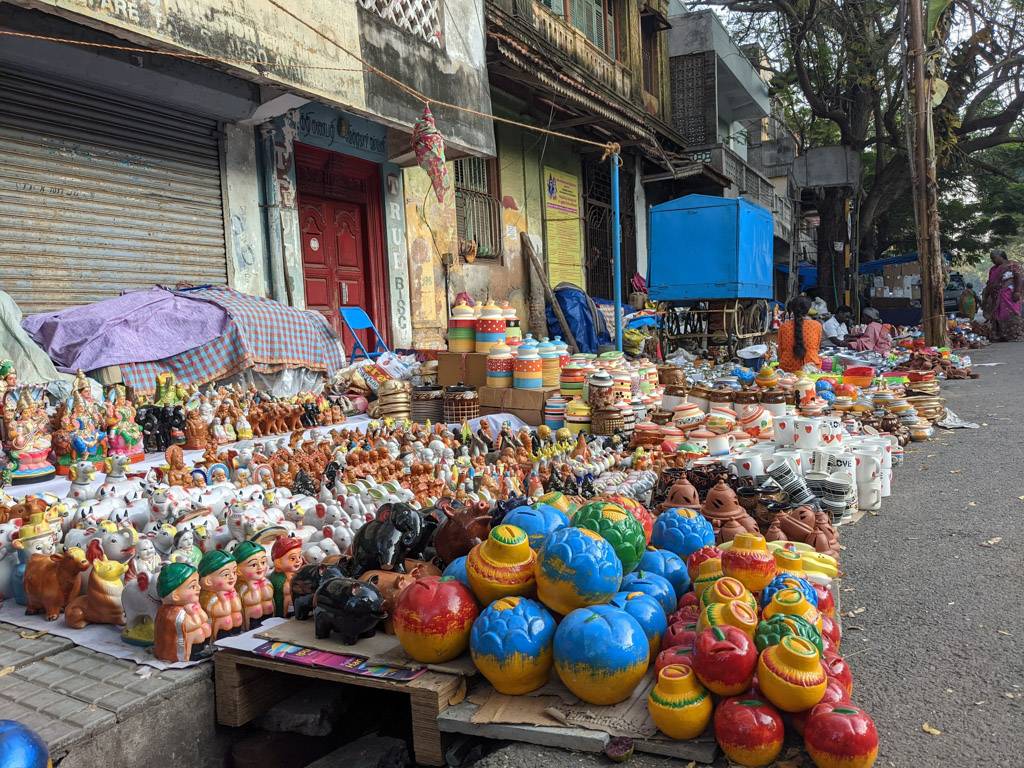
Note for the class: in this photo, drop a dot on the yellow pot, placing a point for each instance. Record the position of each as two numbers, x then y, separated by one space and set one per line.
790 674
708 573
789 563
792 603
725 590
735 614
502 566
679 704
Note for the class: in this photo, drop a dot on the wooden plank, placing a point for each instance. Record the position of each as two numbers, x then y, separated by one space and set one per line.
244 693
458 719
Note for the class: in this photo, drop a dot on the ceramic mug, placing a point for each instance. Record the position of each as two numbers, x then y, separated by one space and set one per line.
821 460
748 464
807 433
784 431
777 410
868 466
869 496
842 461
793 457
832 431
782 471
720 445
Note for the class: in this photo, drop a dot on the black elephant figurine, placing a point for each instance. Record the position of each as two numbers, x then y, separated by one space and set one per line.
351 609
306 582
399 532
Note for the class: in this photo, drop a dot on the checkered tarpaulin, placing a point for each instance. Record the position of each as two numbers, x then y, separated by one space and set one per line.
261 334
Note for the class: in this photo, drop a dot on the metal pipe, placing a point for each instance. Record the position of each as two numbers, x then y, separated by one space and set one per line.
616 250
272 215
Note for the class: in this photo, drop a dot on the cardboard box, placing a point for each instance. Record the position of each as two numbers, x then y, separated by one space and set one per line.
511 399
531 417
469 368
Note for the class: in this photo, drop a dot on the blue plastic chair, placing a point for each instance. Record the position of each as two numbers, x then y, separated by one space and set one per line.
356 319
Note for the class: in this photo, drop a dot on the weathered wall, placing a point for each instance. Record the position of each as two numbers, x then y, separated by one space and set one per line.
260 42
244 223
433 241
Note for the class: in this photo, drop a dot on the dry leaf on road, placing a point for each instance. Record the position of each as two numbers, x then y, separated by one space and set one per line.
930 729
992 542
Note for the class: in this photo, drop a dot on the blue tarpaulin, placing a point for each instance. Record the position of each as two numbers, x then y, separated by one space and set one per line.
585 322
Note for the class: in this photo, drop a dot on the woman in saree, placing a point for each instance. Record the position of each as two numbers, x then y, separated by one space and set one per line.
1001 300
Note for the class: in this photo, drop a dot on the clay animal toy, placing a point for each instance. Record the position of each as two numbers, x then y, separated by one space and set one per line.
464 527
397 533
52 580
83 481
8 554
306 582
140 602
101 604
350 608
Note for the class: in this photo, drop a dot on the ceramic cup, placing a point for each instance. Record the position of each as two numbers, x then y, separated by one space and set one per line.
807 433
784 431
869 496
720 445
749 464
868 466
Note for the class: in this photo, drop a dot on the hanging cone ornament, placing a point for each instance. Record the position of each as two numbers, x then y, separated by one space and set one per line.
428 143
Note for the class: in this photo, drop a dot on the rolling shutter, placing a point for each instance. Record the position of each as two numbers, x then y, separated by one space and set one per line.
103 193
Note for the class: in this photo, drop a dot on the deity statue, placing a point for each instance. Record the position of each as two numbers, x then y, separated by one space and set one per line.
124 436
28 440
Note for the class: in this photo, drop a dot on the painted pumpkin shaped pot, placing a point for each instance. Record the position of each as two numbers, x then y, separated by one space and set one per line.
511 644
576 568
616 526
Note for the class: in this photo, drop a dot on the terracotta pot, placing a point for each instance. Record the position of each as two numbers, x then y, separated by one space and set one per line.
793 603
502 566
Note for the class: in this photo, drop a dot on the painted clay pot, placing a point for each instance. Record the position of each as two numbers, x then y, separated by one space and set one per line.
616 526
734 614
749 561
637 510
502 566
708 573
725 590
576 568
682 531
538 521
559 501
690 598
834 694
837 669
788 581
788 562
457 569
841 735
651 584
699 556
688 613
826 604
790 674
648 614
793 603
724 659
749 730
830 629
433 618
676 655
681 634
601 654
669 566
678 703
511 644
771 631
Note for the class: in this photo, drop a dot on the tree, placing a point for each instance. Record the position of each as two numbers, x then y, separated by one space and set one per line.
838 69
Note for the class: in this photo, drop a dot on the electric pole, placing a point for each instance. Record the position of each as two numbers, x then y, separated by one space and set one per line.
924 180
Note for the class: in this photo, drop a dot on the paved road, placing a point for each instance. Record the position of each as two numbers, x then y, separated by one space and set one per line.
939 641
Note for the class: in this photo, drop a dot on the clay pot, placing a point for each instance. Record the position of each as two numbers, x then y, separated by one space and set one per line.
678 704
792 602
708 572
724 659
749 730
502 566
749 561
511 645
790 674
734 614
841 734
433 619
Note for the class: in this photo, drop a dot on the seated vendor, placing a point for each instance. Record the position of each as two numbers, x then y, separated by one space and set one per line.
837 327
875 337
799 337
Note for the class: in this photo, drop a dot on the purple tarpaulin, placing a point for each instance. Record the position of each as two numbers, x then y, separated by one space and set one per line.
136 327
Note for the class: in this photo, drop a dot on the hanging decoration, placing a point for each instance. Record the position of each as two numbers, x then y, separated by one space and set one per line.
428 144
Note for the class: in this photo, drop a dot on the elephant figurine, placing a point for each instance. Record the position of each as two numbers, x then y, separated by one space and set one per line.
398 532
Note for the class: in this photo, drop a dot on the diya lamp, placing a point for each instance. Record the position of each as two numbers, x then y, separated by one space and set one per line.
218 574
287 557
182 628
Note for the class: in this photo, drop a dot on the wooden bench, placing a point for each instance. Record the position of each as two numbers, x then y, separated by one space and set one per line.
245 689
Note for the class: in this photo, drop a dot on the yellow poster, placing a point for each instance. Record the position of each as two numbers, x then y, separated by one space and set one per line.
563 227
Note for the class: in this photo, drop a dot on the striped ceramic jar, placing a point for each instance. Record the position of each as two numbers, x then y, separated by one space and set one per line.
577 417
554 412
527 369
499 367
490 328
571 381
549 362
513 332
462 329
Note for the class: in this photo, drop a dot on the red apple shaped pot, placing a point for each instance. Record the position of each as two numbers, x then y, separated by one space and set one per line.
841 735
749 730
724 659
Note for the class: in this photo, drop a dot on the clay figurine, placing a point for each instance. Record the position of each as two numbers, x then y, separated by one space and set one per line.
52 580
390 586
464 527
101 603
350 608
218 574
34 538
140 602
305 584
182 627
398 532
287 554
254 588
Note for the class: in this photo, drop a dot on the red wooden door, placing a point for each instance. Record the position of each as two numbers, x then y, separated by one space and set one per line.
334 259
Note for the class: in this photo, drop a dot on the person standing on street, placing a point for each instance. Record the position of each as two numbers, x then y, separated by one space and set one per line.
967 304
1001 298
799 337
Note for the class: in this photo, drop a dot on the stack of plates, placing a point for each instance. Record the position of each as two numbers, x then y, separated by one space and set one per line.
928 407
394 400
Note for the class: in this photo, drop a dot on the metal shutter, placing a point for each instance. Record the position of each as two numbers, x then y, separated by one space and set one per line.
103 193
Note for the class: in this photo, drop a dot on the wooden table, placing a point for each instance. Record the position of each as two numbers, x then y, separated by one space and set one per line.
248 685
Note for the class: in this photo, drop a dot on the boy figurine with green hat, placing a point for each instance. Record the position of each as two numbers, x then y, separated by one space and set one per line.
218 574
254 588
287 554
182 627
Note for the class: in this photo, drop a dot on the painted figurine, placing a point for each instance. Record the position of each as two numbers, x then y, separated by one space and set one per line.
182 626
287 554
34 538
254 588
218 574
28 440
124 436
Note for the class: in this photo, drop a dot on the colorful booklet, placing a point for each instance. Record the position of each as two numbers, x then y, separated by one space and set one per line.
309 657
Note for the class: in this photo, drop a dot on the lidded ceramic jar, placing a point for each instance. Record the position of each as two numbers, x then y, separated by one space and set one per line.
622 386
749 561
678 704
577 417
639 407
563 351
687 416
570 380
554 412
513 331
502 566
790 674
628 418
527 369
462 328
500 361
550 368
606 421
490 327
599 390
461 403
